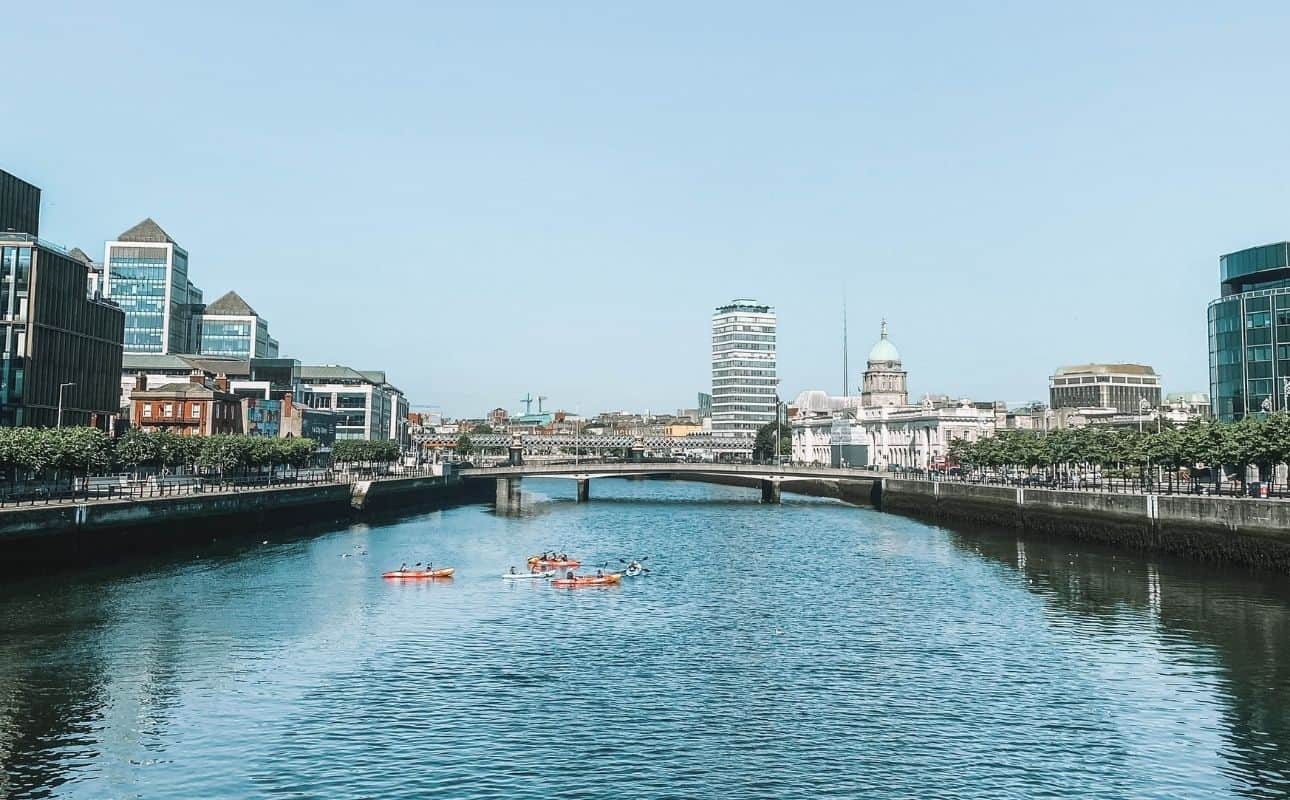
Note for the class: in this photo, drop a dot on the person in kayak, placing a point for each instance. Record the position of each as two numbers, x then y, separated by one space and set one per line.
513 572
564 556
600 573
403 567
569 574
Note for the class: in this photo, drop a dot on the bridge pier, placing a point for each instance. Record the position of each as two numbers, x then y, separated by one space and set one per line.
508 492
516 453
584 490
769 491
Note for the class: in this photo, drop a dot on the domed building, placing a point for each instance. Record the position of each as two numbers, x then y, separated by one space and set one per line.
884 377
879 428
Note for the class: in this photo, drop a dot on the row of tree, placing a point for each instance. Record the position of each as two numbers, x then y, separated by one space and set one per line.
1262 441
44 452
362 451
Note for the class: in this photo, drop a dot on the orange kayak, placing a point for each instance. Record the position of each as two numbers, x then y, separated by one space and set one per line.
538 562
419 573
588 580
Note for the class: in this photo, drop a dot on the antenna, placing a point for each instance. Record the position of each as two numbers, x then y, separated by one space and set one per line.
846 370
527 400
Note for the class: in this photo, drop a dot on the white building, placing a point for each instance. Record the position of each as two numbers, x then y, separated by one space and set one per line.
880 428
744 379
367 406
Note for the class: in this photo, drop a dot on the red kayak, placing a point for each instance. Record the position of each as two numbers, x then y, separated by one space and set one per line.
419 573
588 580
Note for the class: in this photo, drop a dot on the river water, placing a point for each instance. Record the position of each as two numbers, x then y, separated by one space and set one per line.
806 650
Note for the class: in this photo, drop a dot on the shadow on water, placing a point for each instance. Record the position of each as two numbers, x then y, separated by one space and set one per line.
1242 616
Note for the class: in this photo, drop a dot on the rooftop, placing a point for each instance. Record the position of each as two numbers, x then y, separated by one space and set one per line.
1104 369
146 231
230 305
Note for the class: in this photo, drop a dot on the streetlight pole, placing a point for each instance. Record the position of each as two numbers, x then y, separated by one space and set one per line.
61 387
776 429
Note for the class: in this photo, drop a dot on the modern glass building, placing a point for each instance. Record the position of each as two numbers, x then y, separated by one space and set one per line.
61 349
146 274
744 380
1249 333
19 205
230 327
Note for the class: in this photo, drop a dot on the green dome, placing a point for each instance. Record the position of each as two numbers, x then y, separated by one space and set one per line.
884 350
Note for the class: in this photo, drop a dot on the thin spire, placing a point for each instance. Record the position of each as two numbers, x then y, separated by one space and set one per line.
884 327
846 370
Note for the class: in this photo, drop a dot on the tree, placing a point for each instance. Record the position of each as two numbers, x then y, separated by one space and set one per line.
464 446
764 443
482 428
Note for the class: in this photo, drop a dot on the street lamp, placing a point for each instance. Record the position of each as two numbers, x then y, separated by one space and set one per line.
1143 407
61 387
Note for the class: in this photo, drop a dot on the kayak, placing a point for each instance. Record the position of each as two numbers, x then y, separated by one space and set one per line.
419 573
537 562
588 580
633 570
529 576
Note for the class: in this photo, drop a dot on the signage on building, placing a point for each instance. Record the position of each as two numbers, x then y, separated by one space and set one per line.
263 418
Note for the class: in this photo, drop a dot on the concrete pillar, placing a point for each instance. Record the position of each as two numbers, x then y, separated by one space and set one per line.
516 453
769 491
637 452
508 492
584 489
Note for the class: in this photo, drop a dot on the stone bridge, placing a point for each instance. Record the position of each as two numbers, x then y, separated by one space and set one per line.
770 477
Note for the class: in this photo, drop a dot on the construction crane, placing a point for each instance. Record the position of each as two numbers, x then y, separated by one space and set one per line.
540 398
527 400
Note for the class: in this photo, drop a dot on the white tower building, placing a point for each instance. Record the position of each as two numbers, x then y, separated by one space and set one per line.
744 380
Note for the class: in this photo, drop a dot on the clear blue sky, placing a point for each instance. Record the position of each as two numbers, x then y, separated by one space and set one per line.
487 199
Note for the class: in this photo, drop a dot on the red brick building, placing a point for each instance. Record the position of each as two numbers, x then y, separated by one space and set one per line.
197 407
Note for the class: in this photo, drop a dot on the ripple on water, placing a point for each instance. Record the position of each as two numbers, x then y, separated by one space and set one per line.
810 650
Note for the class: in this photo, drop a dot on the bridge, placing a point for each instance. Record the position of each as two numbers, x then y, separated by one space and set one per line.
535 444
770 477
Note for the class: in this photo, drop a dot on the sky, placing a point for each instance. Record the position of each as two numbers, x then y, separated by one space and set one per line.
489 199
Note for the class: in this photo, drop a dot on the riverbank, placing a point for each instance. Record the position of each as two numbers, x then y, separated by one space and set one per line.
36 535
1244 531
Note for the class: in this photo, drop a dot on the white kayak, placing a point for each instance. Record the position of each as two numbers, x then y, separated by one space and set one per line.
529 576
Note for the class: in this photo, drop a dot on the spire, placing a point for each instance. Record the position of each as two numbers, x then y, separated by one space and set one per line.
846 370
884 327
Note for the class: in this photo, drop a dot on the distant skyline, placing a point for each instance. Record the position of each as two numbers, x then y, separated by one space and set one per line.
487 200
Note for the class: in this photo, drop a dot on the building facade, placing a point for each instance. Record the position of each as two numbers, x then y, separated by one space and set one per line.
230 327
366 405
880 428
1127 388
146 273
744 377
1249 333
61 348
196 407
19 205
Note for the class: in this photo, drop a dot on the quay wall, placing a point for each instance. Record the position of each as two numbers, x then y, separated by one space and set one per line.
1239 530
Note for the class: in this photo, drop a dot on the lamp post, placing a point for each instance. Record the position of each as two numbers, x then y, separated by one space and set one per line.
1143 407
61 387
777 426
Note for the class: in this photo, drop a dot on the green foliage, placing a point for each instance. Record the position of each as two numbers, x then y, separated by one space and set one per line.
352 451
464 446
484 428
1263 441
764 444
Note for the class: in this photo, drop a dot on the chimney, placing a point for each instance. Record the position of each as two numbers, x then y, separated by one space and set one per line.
141 382
287 408
197 377
221 382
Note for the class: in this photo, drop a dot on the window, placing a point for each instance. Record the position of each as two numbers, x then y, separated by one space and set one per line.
197 411
1263 353
1258 319
169 410
147 409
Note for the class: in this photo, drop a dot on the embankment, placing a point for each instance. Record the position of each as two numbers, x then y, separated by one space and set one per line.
1237 530
33 535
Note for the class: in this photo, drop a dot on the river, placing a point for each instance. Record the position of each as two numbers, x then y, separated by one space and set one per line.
806 650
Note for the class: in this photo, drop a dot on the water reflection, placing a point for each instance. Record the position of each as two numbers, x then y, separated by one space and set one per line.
1240 616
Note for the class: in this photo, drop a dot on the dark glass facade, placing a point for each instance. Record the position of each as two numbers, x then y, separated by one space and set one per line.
52 335
1249 333
19 205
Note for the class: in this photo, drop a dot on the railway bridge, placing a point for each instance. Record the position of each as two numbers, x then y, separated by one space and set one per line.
768 476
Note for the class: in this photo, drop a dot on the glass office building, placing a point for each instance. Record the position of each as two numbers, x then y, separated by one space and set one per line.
744 379
230 327
146 274
1249 333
